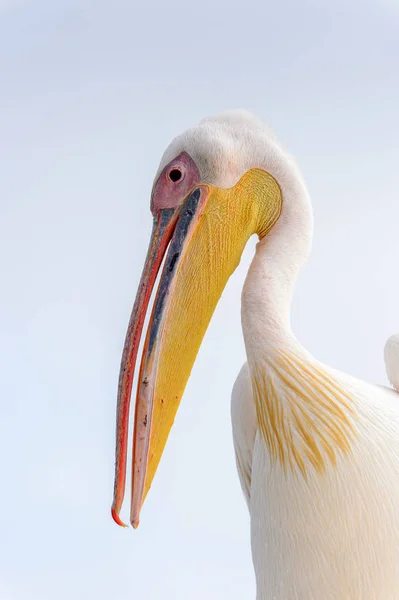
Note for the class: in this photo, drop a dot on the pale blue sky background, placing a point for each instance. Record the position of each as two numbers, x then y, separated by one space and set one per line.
91 92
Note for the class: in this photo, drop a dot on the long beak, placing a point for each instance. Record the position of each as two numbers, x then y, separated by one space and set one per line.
152 394
209 236
164 223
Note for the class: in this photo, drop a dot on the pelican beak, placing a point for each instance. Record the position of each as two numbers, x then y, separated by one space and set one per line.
163 226
207 236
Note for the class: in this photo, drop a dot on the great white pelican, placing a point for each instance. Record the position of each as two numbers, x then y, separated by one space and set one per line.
317 450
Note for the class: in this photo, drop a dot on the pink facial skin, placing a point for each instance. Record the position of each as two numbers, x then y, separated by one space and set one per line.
175 182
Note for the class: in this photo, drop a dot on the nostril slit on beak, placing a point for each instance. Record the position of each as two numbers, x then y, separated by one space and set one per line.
173 261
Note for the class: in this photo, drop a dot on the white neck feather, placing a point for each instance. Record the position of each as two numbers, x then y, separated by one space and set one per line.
304 414
268 289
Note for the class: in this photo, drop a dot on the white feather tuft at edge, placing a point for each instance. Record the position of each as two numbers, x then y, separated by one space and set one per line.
391 355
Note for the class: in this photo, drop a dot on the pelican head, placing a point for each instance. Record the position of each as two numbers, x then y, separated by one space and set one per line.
217 185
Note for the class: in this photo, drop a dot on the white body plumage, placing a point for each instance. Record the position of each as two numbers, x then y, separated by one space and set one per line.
331 535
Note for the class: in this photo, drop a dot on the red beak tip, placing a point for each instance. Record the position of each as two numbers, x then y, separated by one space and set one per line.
117 519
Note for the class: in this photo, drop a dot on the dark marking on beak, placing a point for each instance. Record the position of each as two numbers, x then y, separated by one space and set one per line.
180 233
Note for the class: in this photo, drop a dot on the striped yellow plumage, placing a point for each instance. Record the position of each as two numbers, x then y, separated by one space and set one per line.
305 416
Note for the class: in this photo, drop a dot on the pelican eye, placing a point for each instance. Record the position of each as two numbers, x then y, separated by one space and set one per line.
175 175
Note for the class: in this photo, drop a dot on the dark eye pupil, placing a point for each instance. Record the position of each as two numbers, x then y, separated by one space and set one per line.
175 175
